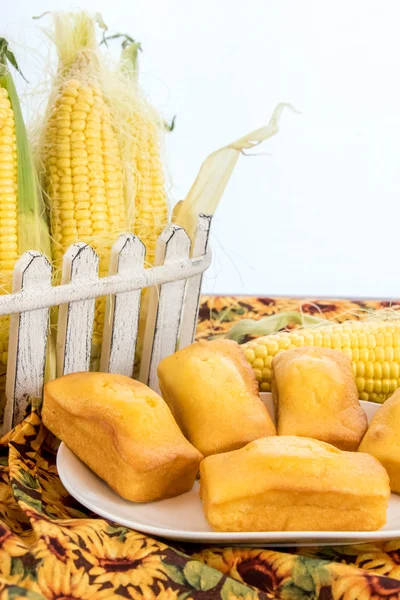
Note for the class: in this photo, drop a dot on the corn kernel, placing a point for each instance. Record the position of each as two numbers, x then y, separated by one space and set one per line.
258 375
360 370
377 386
78 126
272 347
354 340
267 374
369 385
378 371
346 340
268 361
260 351
249 355
385 366
326 340
258 363
360 381
265 386
389 353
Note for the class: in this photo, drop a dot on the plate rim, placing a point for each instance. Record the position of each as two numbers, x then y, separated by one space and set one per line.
338 537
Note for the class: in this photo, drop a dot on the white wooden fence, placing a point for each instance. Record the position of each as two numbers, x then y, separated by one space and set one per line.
174 282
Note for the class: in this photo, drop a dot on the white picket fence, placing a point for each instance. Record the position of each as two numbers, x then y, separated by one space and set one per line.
175 283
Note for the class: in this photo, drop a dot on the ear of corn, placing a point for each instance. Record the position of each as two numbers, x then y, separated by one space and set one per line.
374 349
145 177
82 163
23 224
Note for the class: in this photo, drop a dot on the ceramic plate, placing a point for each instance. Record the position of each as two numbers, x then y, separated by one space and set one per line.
182 518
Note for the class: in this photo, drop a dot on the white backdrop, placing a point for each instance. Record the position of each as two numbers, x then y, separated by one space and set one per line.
318 215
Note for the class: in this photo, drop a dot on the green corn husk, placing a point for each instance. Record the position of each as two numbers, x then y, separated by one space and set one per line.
272 324
32 224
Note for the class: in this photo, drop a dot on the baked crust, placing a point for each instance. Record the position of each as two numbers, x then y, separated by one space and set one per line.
315 395
124 432
213 394
382 439
289 483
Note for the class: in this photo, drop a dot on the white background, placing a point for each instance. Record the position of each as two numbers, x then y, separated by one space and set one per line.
318 215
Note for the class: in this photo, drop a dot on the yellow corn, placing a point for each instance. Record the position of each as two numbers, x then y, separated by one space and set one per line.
151 213
22 223
8 207
145 169
374 349
83 165
8 190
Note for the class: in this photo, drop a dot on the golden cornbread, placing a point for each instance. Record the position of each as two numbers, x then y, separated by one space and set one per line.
382 439
124 432
315 395
289 483
213 395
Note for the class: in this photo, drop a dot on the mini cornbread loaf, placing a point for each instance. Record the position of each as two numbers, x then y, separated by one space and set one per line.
124 432
289 483
213 395
382 439
315 396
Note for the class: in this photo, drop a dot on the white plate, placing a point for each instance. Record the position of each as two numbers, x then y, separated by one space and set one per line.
182 518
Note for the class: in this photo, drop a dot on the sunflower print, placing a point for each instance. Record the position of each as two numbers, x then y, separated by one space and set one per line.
52 547
123 561
219 313
264 570
56 580
147 593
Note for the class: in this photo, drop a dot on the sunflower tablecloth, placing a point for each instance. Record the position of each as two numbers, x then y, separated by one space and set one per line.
52 547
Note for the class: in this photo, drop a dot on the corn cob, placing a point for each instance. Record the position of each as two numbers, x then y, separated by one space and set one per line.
151 214
145 169
82 163
373 347
23 225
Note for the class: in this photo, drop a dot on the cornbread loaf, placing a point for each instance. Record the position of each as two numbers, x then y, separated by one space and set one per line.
382 439
315 395
124 432
289 483
213 395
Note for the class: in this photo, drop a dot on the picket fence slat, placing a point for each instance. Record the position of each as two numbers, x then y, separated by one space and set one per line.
165 306
173 288
75 320
27 340
193 285
122 310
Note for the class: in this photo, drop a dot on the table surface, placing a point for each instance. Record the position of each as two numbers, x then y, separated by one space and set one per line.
52 547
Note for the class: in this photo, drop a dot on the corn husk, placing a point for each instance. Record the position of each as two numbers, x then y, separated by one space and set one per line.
272 324
32 223
33 228
215 172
